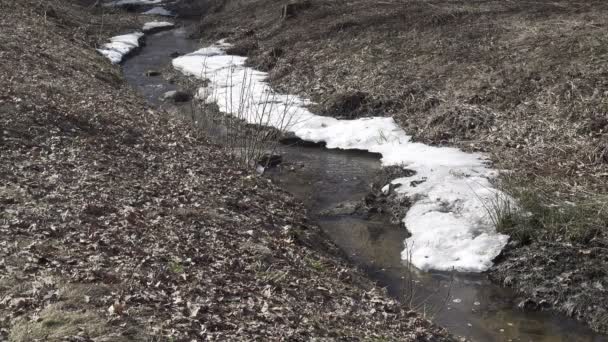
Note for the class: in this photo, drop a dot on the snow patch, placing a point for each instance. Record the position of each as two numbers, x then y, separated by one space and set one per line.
119 46
451 190
155 25
119 3
159 11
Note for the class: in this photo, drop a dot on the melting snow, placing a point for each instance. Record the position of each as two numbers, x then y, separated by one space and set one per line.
451 190
153 25
120 46
159 11
132 2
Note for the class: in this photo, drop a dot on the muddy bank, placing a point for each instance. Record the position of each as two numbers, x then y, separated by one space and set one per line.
119 222
569 278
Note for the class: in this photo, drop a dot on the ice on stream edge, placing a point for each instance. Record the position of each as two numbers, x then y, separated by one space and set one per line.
118 3
120 46
159 11
153 25
451 190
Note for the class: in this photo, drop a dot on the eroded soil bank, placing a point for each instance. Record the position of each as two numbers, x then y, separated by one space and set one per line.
520 81
119 222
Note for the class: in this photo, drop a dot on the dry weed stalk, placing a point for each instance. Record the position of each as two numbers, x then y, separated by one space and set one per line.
427 305
255 119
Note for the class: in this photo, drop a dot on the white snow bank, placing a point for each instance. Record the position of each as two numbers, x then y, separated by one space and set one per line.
159 11
118 3
449 222
120 46
154 25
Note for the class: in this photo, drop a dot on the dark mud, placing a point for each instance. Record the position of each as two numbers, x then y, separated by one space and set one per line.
569 278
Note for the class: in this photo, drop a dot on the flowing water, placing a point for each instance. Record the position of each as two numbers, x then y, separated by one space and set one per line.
466 304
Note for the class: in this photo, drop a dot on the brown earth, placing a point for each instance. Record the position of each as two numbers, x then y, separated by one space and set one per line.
119 222
570 279
522 81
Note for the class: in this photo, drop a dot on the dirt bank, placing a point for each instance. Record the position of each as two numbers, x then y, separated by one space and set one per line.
118 222
523 82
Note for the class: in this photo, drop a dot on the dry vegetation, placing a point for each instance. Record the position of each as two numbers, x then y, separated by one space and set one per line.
118 223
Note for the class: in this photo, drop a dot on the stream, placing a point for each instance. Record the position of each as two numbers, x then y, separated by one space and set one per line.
467 305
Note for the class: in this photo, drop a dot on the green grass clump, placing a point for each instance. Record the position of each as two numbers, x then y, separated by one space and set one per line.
539 213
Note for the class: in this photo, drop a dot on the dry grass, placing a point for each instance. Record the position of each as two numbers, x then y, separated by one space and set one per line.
54 324
71 310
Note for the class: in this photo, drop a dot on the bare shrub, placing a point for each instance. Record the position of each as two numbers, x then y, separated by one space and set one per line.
254 121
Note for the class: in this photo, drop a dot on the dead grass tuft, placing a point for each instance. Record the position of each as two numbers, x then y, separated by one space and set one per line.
55 324
458 121
66 310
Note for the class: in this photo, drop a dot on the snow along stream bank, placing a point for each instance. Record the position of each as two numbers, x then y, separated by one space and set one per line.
119 3
121 46
153 26
161 11
451 192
